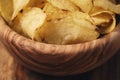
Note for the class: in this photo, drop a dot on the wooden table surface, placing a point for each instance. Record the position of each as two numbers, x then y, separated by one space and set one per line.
12 70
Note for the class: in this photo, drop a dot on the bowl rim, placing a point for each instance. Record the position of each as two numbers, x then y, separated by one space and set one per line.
29 41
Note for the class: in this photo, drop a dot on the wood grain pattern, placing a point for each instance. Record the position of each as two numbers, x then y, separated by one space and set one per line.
7 65
59 59
15 71
108 71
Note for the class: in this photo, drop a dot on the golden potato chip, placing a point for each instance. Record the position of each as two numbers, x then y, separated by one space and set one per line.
84 5
82 15
104 19
15 25
29 20
63 4
38 3
108 5
10 8
54 12
69 30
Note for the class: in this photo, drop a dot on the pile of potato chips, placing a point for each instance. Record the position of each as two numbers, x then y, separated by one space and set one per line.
60 21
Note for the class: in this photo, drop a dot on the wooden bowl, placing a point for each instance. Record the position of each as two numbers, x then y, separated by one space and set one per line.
59 60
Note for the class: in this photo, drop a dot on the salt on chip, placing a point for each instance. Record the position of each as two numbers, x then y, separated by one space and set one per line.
29 21
104 19
10 8
69 30
84 5
63 4
108 5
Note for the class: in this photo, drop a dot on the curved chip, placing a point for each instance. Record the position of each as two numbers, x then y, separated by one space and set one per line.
29 21
63 4
53 12
104 19
38 3
108 5
10 8
84 5
69 30
56 13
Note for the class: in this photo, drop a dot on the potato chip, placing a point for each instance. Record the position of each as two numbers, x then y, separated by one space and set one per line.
69 30
54 12
10 8
104 19
38 3
29 20
82 15
63 4
108 5
84 5
15 25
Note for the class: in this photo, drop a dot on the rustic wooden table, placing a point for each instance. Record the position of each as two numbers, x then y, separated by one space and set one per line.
12 70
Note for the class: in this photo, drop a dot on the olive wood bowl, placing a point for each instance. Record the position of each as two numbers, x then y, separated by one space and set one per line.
59 60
